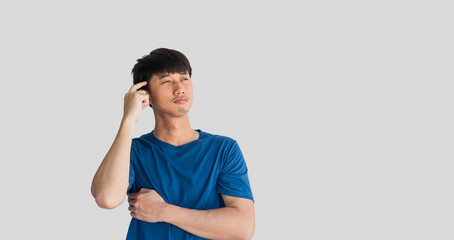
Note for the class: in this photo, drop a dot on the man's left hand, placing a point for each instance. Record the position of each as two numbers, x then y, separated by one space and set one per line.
147 205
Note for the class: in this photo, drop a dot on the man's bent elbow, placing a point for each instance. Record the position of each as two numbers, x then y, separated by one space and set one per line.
249 228
247 235
108 202
246 232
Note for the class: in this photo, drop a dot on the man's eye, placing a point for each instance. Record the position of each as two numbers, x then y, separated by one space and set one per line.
185 78
165 82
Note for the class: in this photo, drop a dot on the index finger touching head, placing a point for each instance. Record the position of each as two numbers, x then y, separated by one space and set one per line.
138 85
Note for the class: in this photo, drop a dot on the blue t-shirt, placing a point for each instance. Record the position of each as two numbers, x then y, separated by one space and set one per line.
192 176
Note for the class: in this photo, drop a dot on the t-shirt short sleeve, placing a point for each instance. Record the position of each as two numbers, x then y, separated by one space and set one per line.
233 179
133 158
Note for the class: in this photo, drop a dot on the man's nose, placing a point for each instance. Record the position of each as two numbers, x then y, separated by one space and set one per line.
179 90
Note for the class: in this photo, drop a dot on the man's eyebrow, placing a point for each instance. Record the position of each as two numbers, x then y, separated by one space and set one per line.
163 76
166 75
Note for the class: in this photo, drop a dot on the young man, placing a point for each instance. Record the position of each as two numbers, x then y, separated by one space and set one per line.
182 183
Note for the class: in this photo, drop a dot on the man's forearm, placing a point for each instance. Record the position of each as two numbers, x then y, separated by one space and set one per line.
111 181
220 223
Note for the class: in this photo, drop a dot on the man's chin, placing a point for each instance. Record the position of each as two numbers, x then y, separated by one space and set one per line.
182 111
179 112
175 113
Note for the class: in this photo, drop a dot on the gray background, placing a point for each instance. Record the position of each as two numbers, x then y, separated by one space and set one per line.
343 110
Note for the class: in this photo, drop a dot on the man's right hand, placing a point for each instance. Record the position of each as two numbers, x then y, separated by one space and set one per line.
135 102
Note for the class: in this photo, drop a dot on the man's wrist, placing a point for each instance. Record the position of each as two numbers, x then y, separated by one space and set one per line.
167 212
127 121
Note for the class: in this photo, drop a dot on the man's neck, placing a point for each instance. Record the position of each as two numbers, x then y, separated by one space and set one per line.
175 131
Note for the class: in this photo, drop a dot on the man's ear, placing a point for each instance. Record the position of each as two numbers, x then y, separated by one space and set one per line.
149 99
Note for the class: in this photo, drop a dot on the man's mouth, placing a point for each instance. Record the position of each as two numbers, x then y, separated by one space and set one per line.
180 100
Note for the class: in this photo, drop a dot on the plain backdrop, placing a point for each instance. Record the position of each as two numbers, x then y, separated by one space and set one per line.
343 110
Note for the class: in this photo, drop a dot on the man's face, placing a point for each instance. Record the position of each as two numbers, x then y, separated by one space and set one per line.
171 93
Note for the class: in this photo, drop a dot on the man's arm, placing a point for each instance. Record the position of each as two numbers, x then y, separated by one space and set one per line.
234 221
111 181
